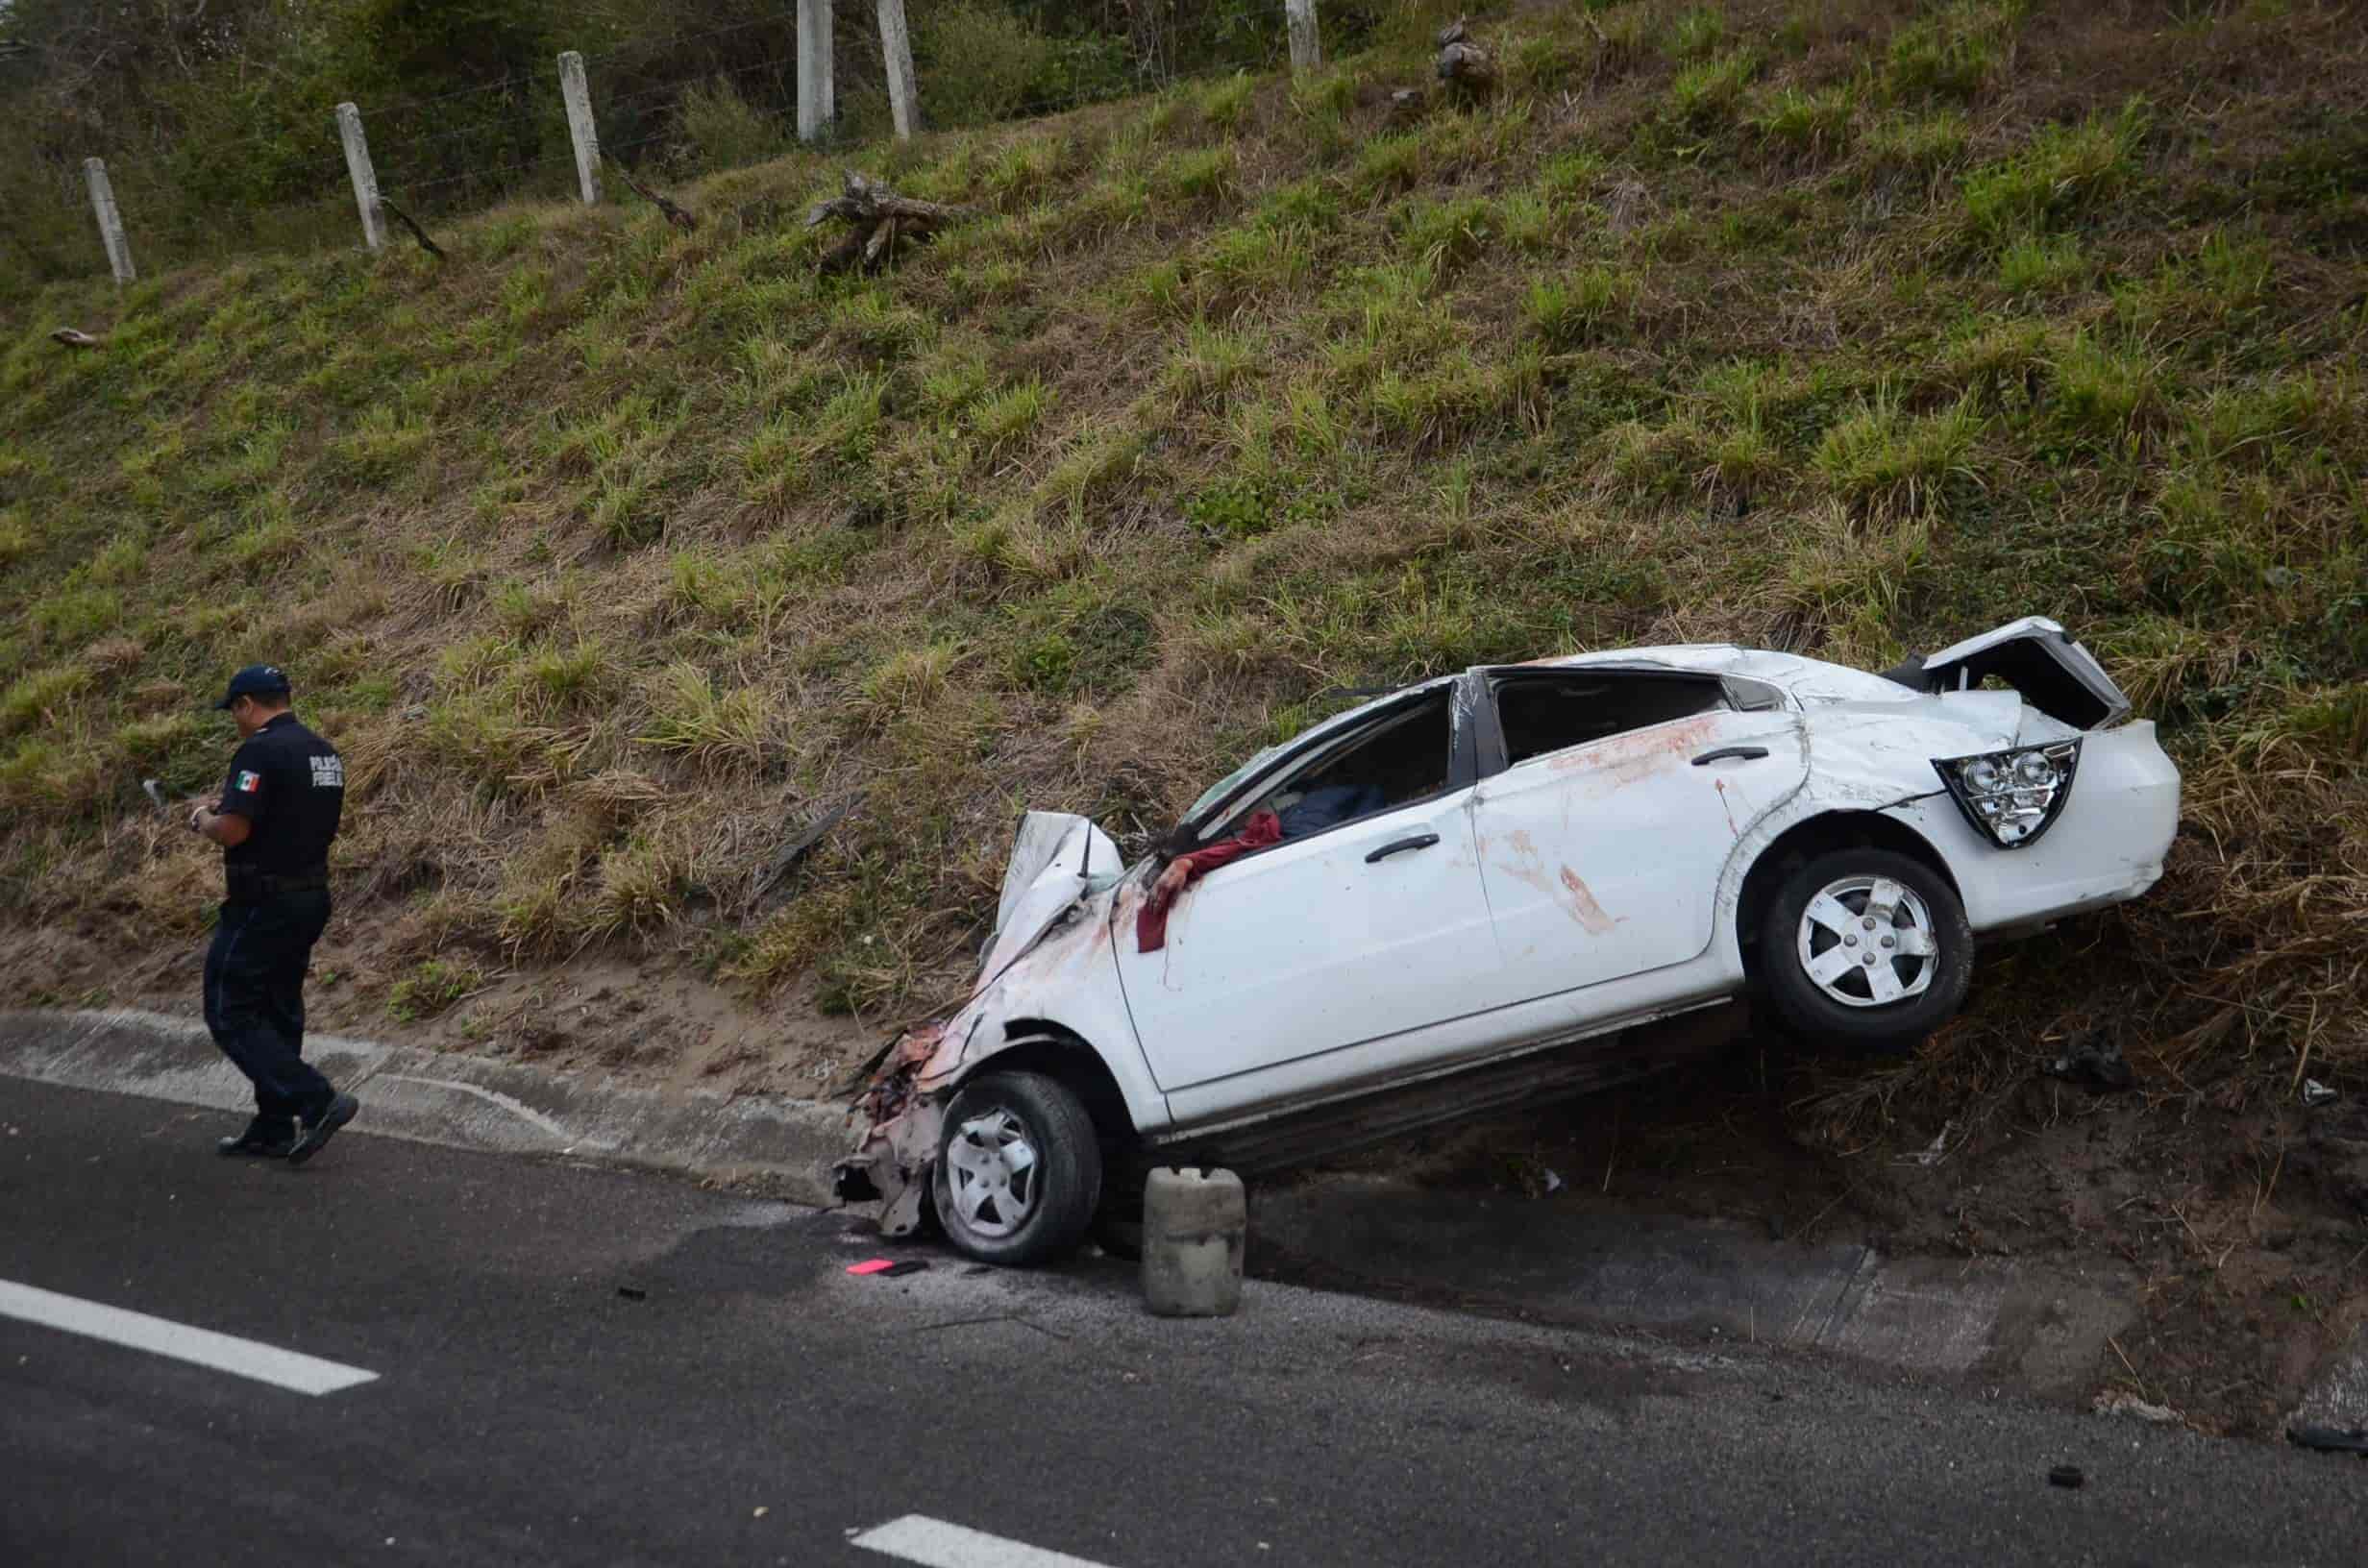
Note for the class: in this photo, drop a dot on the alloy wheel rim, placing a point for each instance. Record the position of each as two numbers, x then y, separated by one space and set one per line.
1868 942
992 1171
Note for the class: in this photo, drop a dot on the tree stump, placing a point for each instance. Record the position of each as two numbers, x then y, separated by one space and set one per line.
1468 70
879 221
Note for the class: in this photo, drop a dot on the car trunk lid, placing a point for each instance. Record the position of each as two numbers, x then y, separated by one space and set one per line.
2036 658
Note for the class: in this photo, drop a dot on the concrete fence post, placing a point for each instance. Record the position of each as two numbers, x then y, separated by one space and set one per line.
1306 45
365 180
111 221
580 128
895 45
815 108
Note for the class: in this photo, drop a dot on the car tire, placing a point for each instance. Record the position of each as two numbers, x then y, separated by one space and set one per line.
1118 1224
1018 1176
1826 920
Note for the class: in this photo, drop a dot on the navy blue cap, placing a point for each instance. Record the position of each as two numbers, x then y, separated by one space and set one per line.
256 680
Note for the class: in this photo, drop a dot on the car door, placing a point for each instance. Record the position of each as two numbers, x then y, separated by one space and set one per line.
1619 798
1325 943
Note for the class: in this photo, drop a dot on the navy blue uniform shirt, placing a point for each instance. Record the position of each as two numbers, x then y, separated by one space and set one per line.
289 785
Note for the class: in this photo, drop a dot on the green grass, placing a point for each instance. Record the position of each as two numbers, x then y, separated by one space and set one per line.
434 985
2064 169
1570 309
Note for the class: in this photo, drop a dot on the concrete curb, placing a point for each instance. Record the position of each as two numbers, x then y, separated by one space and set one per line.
2005 1323
433 1097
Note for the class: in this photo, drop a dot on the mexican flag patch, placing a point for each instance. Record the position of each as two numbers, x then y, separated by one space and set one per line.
249 782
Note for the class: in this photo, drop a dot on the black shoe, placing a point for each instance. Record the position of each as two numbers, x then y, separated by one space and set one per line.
263 1140
318 1131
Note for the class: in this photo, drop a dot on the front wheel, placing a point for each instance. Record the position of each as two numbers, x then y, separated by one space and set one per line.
1019 1169
1867 947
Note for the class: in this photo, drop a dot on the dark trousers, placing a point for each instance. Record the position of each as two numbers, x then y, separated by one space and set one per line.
255 998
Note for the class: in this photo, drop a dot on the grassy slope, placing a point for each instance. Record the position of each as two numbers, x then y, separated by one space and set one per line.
605 550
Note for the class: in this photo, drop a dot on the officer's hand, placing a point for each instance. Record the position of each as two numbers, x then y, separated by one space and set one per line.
197 821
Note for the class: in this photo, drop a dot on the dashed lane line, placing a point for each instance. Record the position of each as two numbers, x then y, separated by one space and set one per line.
162 1336
934 1543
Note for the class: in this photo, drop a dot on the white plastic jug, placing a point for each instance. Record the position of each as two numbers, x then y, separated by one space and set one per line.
1193 1223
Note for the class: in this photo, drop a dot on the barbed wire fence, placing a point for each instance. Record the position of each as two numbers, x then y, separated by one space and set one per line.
680 105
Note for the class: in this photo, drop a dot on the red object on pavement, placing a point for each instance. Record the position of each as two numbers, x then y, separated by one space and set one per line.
1262 828
872 1265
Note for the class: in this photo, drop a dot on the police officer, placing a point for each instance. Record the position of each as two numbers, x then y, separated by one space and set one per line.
275 816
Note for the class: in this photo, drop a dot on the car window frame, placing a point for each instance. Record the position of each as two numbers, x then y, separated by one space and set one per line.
1491 734
1463 761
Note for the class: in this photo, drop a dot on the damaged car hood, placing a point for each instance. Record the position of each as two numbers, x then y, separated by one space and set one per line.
1056 859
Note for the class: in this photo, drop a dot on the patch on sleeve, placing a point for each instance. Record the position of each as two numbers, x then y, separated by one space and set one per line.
250 783
327 772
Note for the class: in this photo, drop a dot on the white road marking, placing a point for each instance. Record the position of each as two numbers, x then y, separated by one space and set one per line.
491 1096
162 1336
934 1543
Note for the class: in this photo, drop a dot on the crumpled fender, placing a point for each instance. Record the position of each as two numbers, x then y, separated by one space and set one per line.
1055 903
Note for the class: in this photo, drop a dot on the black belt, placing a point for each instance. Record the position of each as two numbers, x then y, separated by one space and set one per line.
246 883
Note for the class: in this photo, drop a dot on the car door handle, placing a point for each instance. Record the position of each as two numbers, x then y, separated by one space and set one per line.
1746 754
1421 840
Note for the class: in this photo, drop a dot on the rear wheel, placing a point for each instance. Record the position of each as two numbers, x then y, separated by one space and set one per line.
1865 946
1019 1169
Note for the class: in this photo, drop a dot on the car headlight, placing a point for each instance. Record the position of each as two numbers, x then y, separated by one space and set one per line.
2012 797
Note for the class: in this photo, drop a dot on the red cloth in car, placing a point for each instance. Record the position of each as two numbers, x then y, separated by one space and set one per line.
1262 828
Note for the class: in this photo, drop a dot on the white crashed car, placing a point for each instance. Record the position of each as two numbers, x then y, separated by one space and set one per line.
1549 876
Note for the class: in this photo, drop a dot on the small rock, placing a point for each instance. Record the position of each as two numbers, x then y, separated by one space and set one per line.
2121 1401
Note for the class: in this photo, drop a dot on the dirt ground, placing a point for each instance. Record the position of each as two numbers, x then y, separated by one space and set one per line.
2249 1228
665 1023
2249 1231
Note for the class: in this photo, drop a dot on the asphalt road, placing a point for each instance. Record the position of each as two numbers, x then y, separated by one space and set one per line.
755 1404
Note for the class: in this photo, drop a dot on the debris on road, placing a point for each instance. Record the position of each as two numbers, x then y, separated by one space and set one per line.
2094 1063
2067 1476
1932 1153
888 1268
632 1292
2329 1439
2121 1401
2316 1093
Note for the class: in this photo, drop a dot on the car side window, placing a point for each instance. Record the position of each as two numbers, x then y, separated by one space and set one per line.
1401 756
1543 713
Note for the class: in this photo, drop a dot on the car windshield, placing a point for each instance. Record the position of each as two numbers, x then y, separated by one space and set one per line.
1219 789
1226 786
